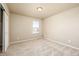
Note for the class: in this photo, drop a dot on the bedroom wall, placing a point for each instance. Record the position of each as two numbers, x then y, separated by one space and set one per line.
63 27
21 28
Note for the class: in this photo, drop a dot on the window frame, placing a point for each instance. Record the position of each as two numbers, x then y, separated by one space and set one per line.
35 25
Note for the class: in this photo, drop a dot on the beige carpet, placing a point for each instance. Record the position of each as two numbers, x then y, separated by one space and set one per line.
40 47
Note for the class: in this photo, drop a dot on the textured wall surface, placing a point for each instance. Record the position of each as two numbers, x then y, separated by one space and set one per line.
63 27
21 28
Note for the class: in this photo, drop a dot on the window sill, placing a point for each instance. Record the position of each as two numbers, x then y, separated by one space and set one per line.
36 33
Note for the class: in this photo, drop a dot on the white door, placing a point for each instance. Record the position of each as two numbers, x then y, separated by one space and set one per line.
5 31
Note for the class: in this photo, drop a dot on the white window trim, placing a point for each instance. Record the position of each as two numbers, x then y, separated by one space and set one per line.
33 32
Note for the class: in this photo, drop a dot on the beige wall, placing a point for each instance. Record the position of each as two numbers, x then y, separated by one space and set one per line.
21 28
63 27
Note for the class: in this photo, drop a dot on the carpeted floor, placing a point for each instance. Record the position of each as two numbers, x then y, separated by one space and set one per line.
40 47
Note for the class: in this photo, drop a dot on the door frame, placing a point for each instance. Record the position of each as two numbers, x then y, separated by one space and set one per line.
1 7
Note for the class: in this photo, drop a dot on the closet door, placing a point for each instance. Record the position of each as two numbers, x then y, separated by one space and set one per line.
1 26
5 31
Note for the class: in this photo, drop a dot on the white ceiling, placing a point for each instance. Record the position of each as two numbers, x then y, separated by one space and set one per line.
30 9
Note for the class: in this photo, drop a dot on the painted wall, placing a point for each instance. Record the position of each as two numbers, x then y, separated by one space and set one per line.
21 28
63 27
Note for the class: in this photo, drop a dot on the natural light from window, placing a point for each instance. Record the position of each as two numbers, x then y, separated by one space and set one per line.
35 26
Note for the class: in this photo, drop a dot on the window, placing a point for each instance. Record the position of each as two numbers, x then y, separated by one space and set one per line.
35 26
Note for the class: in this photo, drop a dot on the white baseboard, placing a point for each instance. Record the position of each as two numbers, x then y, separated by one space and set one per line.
62 44
19 41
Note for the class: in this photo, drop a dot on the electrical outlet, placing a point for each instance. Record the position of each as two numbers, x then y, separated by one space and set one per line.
18 38
69 41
